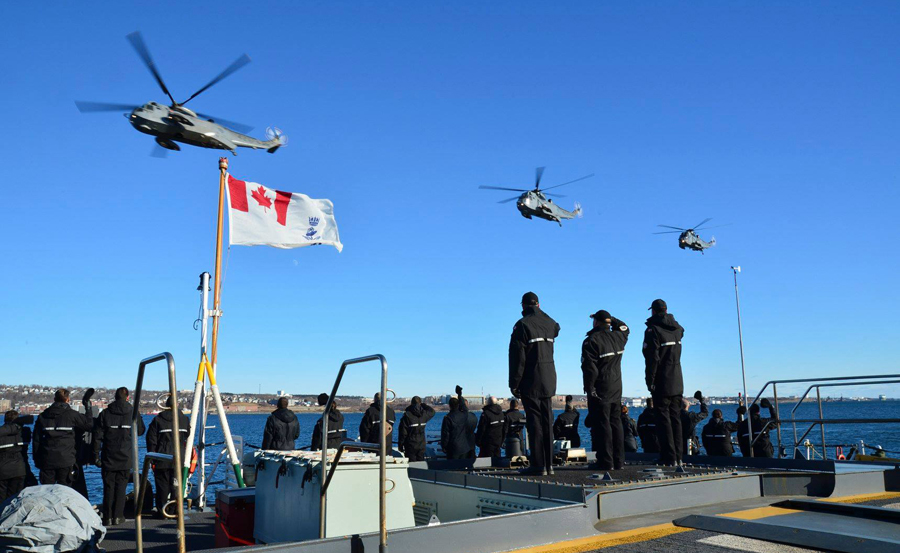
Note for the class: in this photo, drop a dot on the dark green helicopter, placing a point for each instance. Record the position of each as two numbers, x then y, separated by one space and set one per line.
175 123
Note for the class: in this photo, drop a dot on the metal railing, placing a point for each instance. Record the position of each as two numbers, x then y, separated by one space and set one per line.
139 482
382 449
817 384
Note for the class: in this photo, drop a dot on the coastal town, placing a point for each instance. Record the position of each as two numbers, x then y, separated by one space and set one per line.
34 398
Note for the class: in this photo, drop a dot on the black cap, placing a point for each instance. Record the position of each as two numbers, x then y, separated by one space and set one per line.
530 298
601 315
658 305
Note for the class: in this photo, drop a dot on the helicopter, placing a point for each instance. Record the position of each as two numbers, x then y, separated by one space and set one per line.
535 203
689 239
176 123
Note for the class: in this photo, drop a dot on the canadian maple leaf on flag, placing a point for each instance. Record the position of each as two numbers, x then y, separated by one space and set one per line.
261 216
260 196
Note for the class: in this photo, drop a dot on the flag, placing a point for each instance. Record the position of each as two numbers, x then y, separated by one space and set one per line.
260 216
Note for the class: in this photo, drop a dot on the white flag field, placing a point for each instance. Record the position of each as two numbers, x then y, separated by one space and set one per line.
260 216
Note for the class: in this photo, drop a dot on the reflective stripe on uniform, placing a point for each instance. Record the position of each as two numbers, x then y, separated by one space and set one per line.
669 343
602 355
121 426
170 430
61 428
336 431
496 422
716 436
540 340
10 445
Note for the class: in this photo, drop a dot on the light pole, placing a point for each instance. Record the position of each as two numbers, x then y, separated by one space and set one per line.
737 301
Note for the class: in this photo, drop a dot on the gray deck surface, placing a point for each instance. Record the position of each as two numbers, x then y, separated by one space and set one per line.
581 475
159 535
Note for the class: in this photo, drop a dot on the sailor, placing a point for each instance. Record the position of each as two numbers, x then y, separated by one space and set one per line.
489 435
532 378
282 428
411 441
84 452
717 435
369 430
513 421
12 466
601 367
629 431
566 425
646 427
762 447
689 421
54 440
662 360
112 453
336 432
160 440
458 429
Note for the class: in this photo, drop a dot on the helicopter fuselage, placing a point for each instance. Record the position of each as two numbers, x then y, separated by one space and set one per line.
534 204
691 241
171 124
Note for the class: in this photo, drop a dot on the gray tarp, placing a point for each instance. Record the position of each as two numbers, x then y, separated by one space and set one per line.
47 519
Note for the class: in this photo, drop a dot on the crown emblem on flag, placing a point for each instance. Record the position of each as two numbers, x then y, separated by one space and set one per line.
313 221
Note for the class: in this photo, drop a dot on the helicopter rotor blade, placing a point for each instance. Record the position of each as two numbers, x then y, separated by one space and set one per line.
502 188
556 195
237 64
89 107
570 182
717 226
667 232
239 127
137 41
508 200
703 222
669 226
538 173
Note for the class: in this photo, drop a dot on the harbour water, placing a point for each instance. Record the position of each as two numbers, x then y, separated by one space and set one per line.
250 428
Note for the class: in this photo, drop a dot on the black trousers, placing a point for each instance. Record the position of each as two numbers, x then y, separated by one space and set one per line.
607 437
539 423
11 486
164 488
491 450
56 476
668 428
114 484
414 454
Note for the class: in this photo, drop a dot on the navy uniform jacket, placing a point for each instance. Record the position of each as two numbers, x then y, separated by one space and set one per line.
531 368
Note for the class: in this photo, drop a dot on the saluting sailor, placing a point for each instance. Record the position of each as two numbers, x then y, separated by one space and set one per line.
532 378
601 366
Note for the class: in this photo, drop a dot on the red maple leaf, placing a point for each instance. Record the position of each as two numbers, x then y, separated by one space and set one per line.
260 196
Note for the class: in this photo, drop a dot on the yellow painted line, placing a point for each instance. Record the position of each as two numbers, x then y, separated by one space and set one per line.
861 498
612 539
758 513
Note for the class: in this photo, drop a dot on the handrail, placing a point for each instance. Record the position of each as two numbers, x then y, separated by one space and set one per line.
135 413
838 382
774 384
382 450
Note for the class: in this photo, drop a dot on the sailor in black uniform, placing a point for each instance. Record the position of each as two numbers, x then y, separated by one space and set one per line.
646 427
112 451
662 359
566 425
336 432
717 435
54 440
282 428
513 422
370 427
532 378
489 434
13 467
412 441
161 440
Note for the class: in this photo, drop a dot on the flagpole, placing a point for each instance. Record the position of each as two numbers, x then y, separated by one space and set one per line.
217 279
216 314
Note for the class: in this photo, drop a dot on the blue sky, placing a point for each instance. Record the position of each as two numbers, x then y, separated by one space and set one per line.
779 118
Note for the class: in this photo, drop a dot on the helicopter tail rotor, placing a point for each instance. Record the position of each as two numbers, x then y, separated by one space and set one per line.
578 211
276 138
